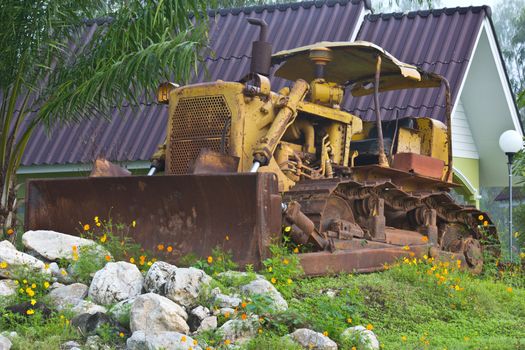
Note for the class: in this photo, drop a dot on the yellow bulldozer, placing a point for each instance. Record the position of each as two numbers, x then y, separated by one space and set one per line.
244 163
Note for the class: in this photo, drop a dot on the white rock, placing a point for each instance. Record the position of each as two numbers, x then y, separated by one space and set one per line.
224 311
313 340
154 313
87 307
266 288
184 285
238 330
70 345
367 339
56 285
16 260
200 312
122 311
157 277
8 245
116 282
140 340
208 323
223 300
5 343
54 245
7 288
67 296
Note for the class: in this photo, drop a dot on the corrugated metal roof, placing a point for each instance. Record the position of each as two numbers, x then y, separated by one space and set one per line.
438 40
134 133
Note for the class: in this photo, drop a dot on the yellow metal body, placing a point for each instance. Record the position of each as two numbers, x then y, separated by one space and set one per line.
221 113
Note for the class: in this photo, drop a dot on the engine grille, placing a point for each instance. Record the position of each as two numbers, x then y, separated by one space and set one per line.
197 122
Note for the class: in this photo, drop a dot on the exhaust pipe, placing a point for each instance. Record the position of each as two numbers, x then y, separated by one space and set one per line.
261 49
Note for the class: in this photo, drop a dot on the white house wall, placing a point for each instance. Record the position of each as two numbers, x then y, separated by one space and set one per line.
463 144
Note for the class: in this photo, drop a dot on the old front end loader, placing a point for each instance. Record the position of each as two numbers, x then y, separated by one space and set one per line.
243 165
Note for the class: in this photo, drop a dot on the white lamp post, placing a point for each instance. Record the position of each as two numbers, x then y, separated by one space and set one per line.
510 142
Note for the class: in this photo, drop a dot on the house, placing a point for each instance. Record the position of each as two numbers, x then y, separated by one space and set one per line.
458 43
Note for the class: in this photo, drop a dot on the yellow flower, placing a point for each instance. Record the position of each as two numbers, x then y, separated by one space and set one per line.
103 238
46 284
406 248
33 301
133 223
160 247
522 255
349 320
285 261
260 331
296 250
424 238
132 260
485 223
24 281
86 227
227 238
30 311
121 335
227 342
21 290
10 231
169 249
30 292
369 327
33 286
98 224
195 342
74 248
46 266
226 314
3 265
273 280
458 263
63 272
509 289
354 348
149 263
96 219
289 281
516 234
210 259
325 333
404 338
287 229
481 217
270 269
183 339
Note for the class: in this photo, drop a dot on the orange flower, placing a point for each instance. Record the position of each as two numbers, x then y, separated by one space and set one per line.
243 316
227 314
485 223
296 250
108 258
169 249
509 289
227 238
243 304
210 259
424 238
160 247
183 339
74 248
10 231
227 342
369 327
86 227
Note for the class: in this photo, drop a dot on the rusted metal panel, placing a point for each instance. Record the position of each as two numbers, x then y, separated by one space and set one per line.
419 164
359 260
192 213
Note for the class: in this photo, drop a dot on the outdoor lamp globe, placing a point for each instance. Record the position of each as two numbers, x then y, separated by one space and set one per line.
511 142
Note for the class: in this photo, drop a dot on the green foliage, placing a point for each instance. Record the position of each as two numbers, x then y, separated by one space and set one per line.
219 261
36 332
282 268
270 341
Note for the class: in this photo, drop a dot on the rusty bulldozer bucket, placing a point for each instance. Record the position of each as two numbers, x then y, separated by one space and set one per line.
193 213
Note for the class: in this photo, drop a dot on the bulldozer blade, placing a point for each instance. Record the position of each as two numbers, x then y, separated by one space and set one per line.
211 162
191 213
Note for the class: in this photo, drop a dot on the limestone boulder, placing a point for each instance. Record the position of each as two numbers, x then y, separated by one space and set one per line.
310 339
5 343
117 281
240 331
157 277
184 285
154 313
7 288
263 287
141 340
12 260
67 296
54 245
367 339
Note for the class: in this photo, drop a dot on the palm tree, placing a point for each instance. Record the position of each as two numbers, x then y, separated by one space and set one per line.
48 75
